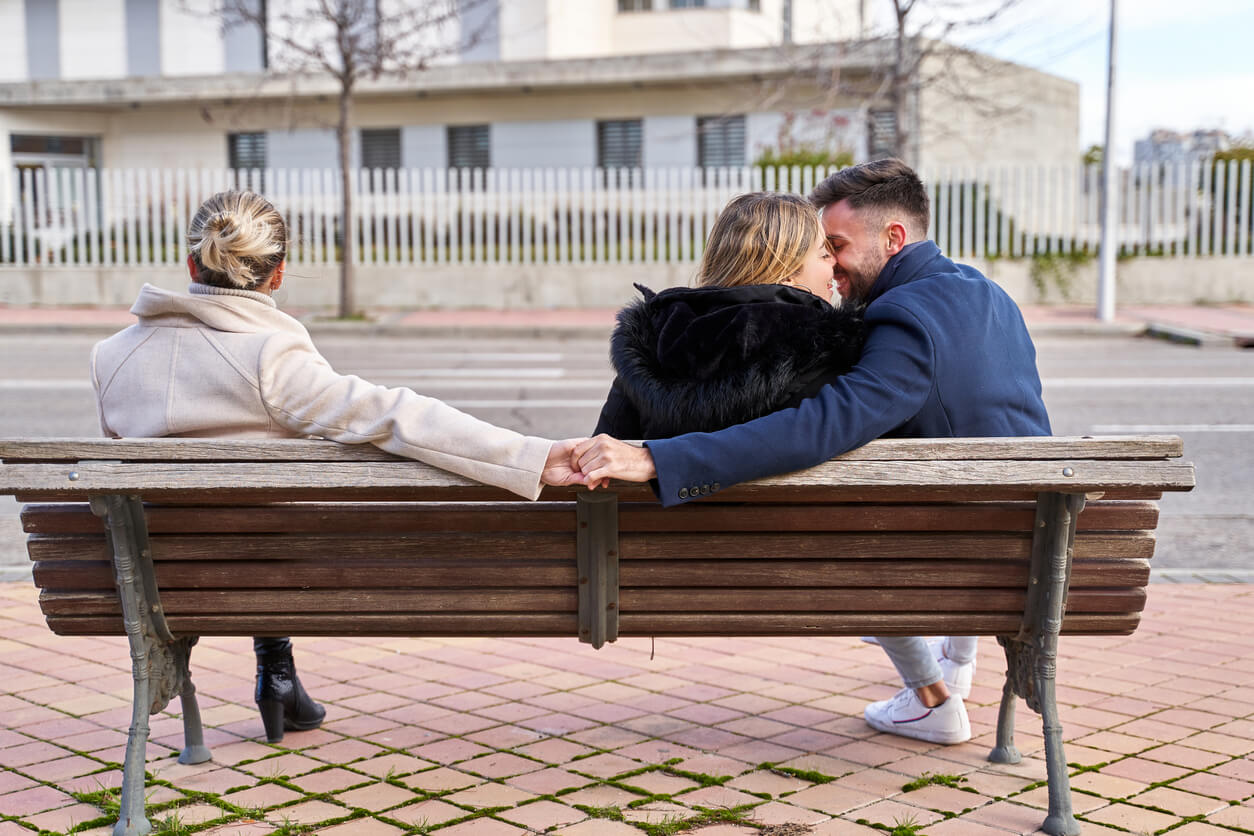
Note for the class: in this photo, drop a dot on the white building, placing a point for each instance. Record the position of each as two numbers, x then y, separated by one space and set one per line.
1164 146
547 83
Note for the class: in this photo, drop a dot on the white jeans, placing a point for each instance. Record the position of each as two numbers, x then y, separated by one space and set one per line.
914 660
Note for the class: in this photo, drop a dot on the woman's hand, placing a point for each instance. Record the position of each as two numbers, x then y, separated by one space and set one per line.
559 467
603 458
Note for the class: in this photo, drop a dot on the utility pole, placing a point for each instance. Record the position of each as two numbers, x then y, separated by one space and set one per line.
1110 193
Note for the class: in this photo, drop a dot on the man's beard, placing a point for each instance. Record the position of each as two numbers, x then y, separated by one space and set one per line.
860 278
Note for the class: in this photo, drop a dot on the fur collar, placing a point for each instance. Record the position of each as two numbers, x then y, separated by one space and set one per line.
702 359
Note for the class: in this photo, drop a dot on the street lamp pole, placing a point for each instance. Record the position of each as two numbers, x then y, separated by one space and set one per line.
1110 195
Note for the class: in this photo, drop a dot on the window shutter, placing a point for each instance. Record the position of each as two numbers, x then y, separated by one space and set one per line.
247 150
381 148
469 146
720 141
619 143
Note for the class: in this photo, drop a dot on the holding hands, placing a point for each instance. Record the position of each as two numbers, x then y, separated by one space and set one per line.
593 462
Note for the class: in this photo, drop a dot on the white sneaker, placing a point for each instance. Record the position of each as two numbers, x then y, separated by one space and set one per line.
905 715
957 675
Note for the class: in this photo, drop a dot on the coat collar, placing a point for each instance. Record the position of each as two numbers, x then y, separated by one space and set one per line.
236 312
914 261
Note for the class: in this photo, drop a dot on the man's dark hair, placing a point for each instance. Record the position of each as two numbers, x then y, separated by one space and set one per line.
882 185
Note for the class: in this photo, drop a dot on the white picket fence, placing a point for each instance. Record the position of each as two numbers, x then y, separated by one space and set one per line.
135 217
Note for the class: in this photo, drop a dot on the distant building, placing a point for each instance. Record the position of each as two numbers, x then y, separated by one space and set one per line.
1163 146
552 83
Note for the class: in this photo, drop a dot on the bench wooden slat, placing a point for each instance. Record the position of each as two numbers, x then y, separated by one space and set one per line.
298 450
410 480
484 572
631 599
558 546
70 518
630 624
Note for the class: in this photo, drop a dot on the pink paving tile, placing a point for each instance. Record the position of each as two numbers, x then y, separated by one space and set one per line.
1108 786
553 750
343 751
262 797
11 781
548 781
449 751
427 813
1219 741
603 765
544 815
767 782
376 797
329 780
809 740
658 812
282 766
1144 771
779 813
598 827
1179 755
843 827
500 765
657 751
311 812
718 798
441 779
606 737
962 827
1198 828
868 752
557 725
760 751
405 737
1007 815
1132 818
832 799
1241 768
1218 786
1242 817
33 800
490 795
64 818
361 827
1184 804
943 799
505 737
26 754
892 812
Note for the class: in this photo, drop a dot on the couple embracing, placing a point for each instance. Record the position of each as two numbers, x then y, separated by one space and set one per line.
752 372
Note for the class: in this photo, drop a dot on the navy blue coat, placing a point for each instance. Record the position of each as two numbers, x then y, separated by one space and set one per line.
947 356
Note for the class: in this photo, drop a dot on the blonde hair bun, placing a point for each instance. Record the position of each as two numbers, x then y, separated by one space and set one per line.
237 239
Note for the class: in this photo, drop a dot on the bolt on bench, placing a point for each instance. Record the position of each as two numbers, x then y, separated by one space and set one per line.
1022 539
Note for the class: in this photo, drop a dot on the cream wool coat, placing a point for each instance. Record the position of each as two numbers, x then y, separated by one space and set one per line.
228 363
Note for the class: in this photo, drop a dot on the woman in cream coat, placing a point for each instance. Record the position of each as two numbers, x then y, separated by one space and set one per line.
223 361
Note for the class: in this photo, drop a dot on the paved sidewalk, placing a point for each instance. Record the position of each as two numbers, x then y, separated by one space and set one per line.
1230 324
498 737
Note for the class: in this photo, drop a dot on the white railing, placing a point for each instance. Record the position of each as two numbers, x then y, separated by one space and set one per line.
136 217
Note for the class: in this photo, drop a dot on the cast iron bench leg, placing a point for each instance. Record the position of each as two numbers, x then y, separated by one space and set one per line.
1032 655
159 661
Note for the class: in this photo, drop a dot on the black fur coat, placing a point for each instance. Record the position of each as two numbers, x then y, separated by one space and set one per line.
702 359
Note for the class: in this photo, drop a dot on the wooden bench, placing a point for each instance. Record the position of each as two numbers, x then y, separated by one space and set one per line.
300 537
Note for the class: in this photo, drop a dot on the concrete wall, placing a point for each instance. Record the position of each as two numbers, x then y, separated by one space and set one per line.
13 42
561 143
93 38
533 286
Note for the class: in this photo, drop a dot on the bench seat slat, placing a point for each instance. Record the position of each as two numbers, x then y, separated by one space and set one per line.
631 599
630 624
391 518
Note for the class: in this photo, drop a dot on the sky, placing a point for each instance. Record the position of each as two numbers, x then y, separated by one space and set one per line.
1180 64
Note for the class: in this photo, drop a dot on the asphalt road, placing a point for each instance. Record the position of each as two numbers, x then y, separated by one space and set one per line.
554 386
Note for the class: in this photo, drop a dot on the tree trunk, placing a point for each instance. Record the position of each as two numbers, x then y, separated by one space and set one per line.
343 135
898 91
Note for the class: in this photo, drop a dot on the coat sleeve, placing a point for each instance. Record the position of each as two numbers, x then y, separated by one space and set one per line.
305 396
95 387
888 386
619 416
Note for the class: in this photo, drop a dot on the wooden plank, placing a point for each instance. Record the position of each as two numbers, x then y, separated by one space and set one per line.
561 546
630 624
204 601
76 518
334 573
374 573
299 449
853 546
305 480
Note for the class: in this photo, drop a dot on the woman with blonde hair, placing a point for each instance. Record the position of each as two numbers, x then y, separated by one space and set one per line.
223 361
757 334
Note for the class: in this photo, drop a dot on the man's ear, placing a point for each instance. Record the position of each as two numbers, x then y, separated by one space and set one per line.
895 236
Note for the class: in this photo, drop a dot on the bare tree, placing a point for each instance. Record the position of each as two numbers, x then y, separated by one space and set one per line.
352 41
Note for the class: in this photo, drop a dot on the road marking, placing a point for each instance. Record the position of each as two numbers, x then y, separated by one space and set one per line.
1129 382
1173 428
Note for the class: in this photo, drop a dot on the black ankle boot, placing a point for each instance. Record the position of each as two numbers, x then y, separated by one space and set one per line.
282 700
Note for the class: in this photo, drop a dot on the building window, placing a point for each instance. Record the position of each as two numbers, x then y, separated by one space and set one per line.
245 41
469 146
620 144
881 133
43 39
635 5
381 148
720 141
246 151
687 4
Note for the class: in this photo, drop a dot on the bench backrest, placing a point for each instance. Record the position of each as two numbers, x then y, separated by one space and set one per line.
290 538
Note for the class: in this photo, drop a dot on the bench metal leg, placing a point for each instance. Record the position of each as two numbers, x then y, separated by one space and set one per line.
159 662
194 748
1032 655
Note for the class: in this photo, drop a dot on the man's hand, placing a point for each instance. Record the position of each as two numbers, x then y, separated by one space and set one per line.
603 458
559 467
